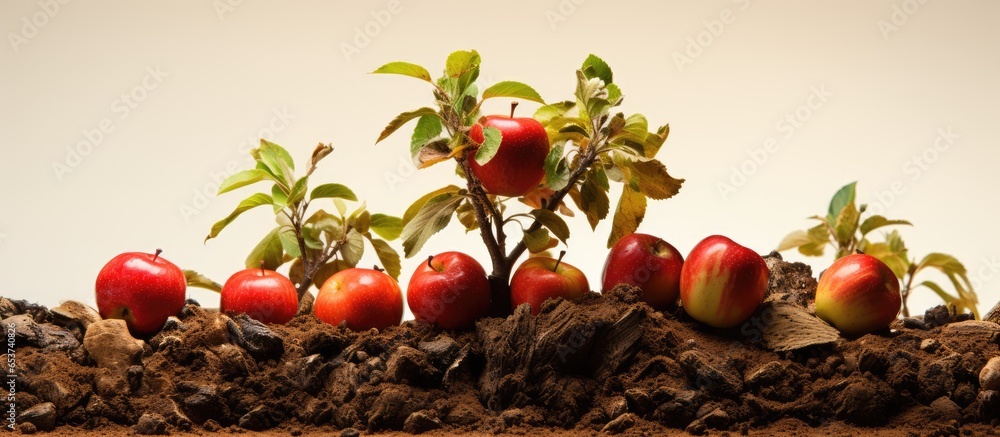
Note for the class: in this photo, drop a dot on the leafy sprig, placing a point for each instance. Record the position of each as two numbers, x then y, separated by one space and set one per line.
591 147
843 229
317 244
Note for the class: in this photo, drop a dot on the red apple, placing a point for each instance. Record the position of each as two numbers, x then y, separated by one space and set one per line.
450 290
541 278
519 164
143 289
858 294
364 298
722 283
646 262
264 295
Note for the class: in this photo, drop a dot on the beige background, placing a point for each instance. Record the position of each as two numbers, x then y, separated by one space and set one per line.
898 72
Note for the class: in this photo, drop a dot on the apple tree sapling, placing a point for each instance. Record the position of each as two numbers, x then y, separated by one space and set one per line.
319 244
843 229
588 146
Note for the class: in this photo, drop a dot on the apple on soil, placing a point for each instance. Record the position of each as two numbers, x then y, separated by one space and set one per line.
143 289
540 278
647 262
519 164
722 283
264 295
449 290
858 294
363 298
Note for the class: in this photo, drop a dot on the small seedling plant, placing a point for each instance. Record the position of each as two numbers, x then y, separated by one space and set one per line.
592 145
318 244
843 229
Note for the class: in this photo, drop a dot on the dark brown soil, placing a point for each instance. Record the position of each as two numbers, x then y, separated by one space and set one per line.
605 363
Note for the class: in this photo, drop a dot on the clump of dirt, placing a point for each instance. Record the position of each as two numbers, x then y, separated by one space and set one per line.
602 363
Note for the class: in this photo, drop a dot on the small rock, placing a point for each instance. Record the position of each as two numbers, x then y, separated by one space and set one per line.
989 404
255 337
350 432
929 345
989 377
421 422
28 428
151 424
914 323
441 350
72 313
7 308
696 427
26 331
937 316
211 426
765 375
620 424
111 384
512 417
261 418
618 407
718 379
205 403
173 324
411 365
458 370
947 409
109 344
638 401
134 377
717 419
235 361
309 373
42 416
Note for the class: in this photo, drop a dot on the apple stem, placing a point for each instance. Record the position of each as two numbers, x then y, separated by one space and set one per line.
429 259
513 106
157 254
262 267
562 253
377 268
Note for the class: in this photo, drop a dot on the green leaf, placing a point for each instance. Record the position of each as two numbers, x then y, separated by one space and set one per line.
289 243
819 236
794 240
557 173
942 261
461 62
876 221
843 197
277 159
490 146
268 250
628 216
298 191
538 240
552 222
279 198
596 67
328 223
388 257
433 216
428 128
846 225
614 93
512 89
259 199
353 248
654 181
361 221
405 69
195 279
327 270
402 119
242 179
636 128
594 202
387 226
467 216
333 191
896 262
415 207
547 113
